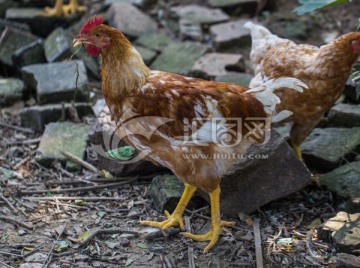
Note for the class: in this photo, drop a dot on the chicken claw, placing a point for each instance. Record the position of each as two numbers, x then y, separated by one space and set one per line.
61 10
175 219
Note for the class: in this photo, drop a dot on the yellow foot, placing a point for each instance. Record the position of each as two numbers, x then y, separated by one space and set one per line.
51 12
212 235
174 219
71 9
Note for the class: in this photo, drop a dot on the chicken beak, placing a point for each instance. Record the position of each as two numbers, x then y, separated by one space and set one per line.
78 41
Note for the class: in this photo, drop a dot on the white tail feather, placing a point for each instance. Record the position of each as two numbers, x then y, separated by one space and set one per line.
265 94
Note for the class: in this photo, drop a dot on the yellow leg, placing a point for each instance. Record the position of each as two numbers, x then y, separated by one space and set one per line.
61 10
216 223
176 217
298 153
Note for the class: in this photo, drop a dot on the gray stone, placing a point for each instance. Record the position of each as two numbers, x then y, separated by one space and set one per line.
148 55
36 117
155 41
343 230
165 192
344 115
247 187
190 30
345 180
11 90
344 260
11 40
56 82
6 4
179 58
212 65
40 25
352 205
144 4
236 7
241 79
352 91
130 20
230 34
103 138
326 148
64 136
33 53
57 46
12 24
291 29
199 14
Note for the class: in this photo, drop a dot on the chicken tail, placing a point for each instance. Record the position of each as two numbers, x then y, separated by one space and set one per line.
265 94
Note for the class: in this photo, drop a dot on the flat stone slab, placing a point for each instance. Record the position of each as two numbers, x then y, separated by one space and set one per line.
242 79
352 91
344 181
11 40
325 148
156 41
65 136
103 138
230 34
344 115
148 55
56 82
212 65
11 90
256 180
343 230
36 117
200 14
228 3
130 20
57 46
165 192
32 53
179 58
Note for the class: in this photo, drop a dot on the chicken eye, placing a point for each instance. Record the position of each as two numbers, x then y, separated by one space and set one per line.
97 35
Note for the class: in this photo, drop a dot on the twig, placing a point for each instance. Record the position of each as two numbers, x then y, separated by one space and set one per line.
115 179
78 189
83 198
30 141
26 130
22 162
191 257
258 249
22 224
8 203
79 161
158 234
100 231
198 215
6 265
48 258
10 254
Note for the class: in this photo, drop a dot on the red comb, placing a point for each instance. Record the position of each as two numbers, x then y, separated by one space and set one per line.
91 24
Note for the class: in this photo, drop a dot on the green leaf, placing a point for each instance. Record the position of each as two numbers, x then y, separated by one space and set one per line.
61 245
128 262
121 153
112 245
83 236
48 194
142 245
312 5
101 213
7 172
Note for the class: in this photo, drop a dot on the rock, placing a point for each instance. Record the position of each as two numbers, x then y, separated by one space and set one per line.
11 90
31 265
344 115
291 29
344 180
326 148
352 205
6 4
165 192
50 85
144 4
215 64
11 40
352 91
57 46
103 138
344 260
179 58
190 30
235 7
241 79
344 230
155 41
13 24
33 53
130 20
65 136
40 25
36 117
199 14
148 55
247 187
230 34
